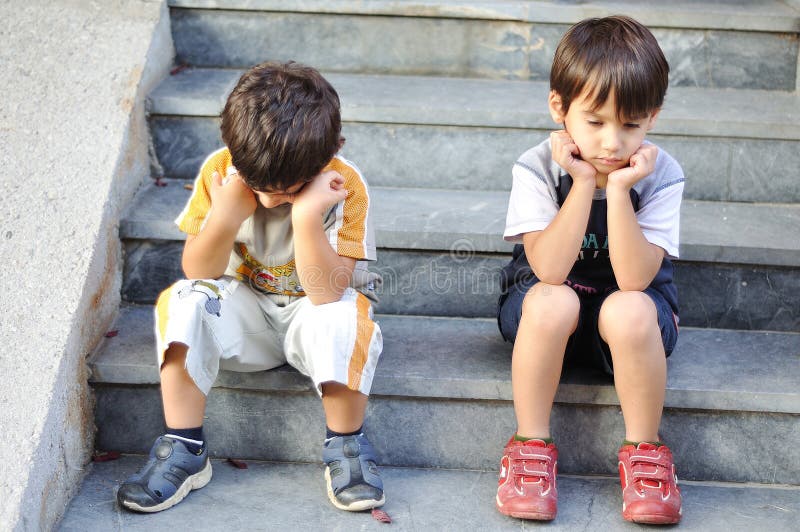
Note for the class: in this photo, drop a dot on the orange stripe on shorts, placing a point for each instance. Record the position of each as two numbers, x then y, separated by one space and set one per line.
365 327
162 313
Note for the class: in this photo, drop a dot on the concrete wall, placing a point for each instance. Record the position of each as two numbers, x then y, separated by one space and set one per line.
73 150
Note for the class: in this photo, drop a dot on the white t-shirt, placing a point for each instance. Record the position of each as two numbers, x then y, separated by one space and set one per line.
534 198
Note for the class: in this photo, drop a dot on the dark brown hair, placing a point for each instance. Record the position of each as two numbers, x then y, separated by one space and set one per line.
611 55
281 124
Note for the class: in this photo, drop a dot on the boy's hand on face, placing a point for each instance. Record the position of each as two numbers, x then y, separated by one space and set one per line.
319 195
231 199
642 164
568 156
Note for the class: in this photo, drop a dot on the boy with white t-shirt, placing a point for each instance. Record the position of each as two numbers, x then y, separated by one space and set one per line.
595 212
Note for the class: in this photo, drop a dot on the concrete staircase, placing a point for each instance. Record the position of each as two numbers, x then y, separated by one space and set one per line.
438 99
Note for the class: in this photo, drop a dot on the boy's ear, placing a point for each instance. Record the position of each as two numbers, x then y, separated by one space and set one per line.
651 122
556 107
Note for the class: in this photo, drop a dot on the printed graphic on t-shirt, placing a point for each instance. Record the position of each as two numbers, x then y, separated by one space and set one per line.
594 247
270 279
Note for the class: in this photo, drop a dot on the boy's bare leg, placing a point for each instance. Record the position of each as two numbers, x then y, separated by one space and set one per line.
344 408
549 317
184 403
629 325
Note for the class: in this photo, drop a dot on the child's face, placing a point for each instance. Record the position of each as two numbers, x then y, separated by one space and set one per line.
604 140
270 199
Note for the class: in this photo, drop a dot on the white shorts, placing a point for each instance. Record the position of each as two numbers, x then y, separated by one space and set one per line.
228 325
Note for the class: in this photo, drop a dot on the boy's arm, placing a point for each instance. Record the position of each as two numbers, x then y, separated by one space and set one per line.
323 274
206 254
634 259
551 252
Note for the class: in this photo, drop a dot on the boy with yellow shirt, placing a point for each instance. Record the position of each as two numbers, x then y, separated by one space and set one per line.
278 227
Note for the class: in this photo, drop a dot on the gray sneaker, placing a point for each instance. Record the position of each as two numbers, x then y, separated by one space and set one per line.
353 480
171 472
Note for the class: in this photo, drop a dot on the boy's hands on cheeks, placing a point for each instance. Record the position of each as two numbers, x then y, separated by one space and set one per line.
567 154
642 164
319 195
232 200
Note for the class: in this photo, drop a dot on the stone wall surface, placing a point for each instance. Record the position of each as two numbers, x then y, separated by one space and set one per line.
73 151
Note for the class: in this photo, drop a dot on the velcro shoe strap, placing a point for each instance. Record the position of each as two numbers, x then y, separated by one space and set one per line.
352 461
530 469
651 459
529 453
644 467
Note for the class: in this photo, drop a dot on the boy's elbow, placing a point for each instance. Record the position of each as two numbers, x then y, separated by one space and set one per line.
632 287
324 298
552 278
634 284
193 273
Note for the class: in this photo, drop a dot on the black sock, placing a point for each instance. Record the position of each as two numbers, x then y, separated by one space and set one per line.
332 433
191 438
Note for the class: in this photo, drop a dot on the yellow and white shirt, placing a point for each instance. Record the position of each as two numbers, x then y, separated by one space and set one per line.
263 253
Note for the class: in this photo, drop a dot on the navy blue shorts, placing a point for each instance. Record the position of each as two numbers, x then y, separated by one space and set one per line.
585 347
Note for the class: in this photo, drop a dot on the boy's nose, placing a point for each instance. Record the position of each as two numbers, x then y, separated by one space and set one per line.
611 142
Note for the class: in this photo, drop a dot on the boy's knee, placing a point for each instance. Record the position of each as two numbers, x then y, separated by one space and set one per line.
336 342
551 308
629 315
175 354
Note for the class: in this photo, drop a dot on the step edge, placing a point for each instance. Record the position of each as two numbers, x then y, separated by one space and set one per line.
710 17
164 101
395 237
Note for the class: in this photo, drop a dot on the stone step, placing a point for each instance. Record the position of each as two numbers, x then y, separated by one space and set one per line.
734 145
708 44
467 222
720 398
442 252
727 296
274 496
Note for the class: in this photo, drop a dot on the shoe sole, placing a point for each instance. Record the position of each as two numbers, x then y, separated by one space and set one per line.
194 482
534 516
652 519
357 506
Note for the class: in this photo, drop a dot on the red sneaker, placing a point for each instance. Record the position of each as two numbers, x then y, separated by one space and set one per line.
650 492
527 485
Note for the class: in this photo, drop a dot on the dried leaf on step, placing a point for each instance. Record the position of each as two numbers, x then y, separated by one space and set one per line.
179 68
238 464
380 515
112 334
105 456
